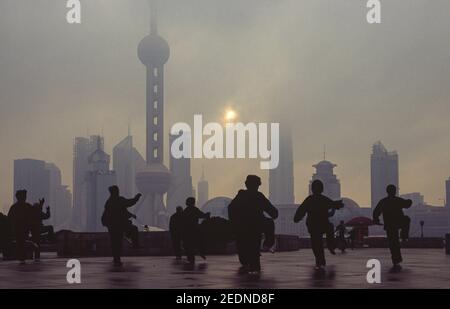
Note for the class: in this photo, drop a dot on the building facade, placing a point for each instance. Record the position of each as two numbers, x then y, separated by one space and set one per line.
383 172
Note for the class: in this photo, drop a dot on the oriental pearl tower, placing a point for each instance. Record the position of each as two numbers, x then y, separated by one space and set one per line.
154 180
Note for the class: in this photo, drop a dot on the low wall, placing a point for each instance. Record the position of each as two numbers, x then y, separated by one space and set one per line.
381 242
426 242
71 244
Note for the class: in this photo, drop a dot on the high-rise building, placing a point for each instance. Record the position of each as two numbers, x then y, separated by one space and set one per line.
98 179
43 180
447 193
83 147
60 199
181 180
281 179
202 191
154 180
383 172
124 166
331 184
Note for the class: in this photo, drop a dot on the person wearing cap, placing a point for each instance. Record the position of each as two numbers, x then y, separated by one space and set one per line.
246 214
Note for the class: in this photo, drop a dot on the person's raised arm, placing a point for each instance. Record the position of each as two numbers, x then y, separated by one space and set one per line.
132 201
46 215
407 203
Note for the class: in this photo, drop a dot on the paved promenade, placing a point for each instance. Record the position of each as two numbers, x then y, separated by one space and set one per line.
423 268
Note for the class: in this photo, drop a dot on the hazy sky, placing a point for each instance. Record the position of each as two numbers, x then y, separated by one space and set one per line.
315 63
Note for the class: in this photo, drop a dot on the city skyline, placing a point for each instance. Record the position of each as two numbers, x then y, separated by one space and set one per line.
75 107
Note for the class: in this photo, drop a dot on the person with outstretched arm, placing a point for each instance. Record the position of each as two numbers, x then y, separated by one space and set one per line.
116 218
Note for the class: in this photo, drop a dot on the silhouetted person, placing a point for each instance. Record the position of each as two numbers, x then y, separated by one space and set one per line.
246 214
352 238
340 230
317 207
176 231
116 218
192 237
37 227
5 237
18 216
391 207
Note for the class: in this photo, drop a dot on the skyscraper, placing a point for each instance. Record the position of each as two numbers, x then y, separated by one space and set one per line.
83 147
447 193
281 179
203 191
383 171
59 199
154 180
181 180
98 179
123 165
331 184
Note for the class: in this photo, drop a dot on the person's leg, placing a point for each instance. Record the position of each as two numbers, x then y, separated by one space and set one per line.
176 245
189 245
404 231
116 244
241 249
331 242
36 238
394 245
132 232
254 251
317 247
20 246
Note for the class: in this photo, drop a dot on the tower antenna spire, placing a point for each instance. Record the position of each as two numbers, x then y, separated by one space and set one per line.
324 152
153 17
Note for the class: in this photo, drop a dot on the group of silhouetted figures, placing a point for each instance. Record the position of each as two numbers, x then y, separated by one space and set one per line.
23 226
250 221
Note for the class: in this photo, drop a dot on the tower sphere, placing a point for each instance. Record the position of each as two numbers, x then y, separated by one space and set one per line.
153 50
155 178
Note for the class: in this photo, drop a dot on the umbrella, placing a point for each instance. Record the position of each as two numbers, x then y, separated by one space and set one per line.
360 221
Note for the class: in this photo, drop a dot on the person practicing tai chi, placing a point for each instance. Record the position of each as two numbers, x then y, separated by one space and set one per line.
19 217
37 228
246 214
317 207
395 222
176 231
116 218
192 237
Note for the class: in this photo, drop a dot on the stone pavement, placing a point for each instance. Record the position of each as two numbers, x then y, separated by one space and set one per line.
423 268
